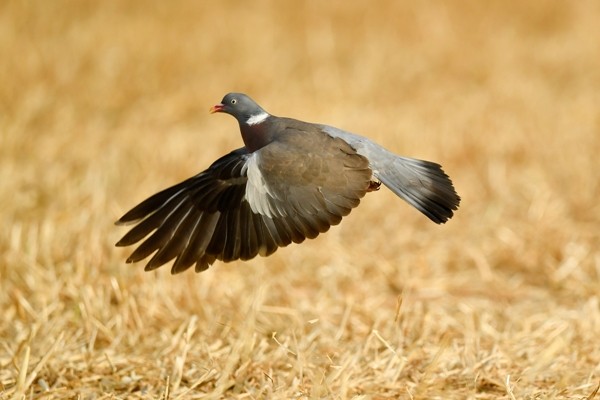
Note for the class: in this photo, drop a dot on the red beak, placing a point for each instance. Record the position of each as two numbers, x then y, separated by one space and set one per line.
217 108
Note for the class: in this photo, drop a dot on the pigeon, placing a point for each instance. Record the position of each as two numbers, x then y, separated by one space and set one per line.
292 180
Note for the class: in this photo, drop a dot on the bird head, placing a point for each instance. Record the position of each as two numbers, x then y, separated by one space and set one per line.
242 107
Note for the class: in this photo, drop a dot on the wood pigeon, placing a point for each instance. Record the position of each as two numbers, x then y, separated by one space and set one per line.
292 180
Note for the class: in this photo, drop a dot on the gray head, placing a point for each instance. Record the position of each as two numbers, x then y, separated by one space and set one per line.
242 107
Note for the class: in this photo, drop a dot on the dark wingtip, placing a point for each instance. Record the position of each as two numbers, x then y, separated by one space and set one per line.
123 222
176 271
150 267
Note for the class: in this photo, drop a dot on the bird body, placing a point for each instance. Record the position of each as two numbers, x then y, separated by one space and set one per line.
292 180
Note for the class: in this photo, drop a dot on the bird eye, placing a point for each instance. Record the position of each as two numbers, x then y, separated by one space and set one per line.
233 101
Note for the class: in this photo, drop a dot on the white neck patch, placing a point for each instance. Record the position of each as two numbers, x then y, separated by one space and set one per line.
257 118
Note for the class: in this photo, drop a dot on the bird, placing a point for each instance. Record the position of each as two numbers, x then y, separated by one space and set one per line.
292 180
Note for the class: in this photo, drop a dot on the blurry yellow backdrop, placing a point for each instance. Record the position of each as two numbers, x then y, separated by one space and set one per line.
104 103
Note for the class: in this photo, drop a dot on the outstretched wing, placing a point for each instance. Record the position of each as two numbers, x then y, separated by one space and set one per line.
246 205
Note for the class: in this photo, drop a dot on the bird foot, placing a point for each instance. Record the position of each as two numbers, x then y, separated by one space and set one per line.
373 186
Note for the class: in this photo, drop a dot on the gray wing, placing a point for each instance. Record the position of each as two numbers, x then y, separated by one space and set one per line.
307 173
423 184
223 214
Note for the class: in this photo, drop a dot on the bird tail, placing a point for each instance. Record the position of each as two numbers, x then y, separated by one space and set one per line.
423 184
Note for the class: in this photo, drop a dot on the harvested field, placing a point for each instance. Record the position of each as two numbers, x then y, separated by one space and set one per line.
104 103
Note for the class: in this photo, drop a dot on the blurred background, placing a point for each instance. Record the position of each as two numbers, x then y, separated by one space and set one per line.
104 103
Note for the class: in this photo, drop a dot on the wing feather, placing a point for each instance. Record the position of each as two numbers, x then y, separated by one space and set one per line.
249 204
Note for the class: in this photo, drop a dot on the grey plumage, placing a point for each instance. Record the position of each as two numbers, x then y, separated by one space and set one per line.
291 181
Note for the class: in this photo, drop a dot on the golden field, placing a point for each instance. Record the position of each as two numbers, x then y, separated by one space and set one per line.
104 103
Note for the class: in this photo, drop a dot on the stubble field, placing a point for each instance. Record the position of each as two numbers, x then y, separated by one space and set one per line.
104 103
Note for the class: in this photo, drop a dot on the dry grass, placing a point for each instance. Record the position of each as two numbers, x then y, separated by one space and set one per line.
104 103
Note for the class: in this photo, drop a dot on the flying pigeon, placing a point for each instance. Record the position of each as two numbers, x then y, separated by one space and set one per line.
292 180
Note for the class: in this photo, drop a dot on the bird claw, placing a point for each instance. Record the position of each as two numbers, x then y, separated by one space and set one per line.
374 186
